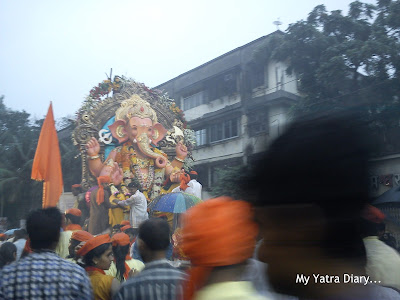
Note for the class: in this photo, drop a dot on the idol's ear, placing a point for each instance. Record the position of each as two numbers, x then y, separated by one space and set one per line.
158 133
118 131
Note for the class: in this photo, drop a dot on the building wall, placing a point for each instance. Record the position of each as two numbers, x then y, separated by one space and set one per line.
379 168
253 100
212 106
267 98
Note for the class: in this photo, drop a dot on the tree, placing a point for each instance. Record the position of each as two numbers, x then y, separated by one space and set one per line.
18 141
70 156
346 62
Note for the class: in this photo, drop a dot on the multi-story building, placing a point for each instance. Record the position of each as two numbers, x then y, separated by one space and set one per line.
235 105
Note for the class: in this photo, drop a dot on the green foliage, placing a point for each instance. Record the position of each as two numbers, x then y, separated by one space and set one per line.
18 142
346 62
229 182
70 157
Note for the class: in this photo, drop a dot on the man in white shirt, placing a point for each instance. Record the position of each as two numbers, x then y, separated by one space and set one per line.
138 204
383 262
193 186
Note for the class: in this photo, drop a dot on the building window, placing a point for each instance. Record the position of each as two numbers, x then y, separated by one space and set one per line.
258 122
201 137
224 130
257 77
193 100
222 85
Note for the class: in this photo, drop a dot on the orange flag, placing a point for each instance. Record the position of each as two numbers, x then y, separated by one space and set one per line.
47 162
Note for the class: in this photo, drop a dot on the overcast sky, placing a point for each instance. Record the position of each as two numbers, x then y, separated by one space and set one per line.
58 50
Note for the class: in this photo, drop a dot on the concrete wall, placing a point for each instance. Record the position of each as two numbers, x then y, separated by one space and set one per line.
220 150
215 105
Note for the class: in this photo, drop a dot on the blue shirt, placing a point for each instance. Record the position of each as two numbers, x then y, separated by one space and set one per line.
44 275
158 281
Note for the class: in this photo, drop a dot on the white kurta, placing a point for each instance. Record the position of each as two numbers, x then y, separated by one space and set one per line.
194 188
383 262
138 204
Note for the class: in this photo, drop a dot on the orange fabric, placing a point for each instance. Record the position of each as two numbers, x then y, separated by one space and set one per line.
127 270
74 186
93 243
125 227
184 178
100 192
101 284
121 239
2 235
227 236
373 214
74 212
126 222
73 227
127 267
47 162
177 245
193 172
81 236
27 247
94 269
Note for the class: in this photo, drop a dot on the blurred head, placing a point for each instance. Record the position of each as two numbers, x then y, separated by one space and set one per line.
8 253
214 241
372 221
43 226
77 237
3 237
153 238
76 189
309 189
71 247
134 185
193 175
116 229
73 216
132 233
120 247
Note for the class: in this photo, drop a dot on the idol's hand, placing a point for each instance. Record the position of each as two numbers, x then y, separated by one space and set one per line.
93 147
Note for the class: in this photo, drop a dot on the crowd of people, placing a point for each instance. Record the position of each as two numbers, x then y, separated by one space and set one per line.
315 238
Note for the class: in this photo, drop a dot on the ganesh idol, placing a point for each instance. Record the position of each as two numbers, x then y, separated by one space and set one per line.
137 130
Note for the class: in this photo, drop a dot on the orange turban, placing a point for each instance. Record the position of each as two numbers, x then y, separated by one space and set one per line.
184 178
81 236
121 239
93 243
125 222
227 236
125 227
74 211
74 186
373 214
100 191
